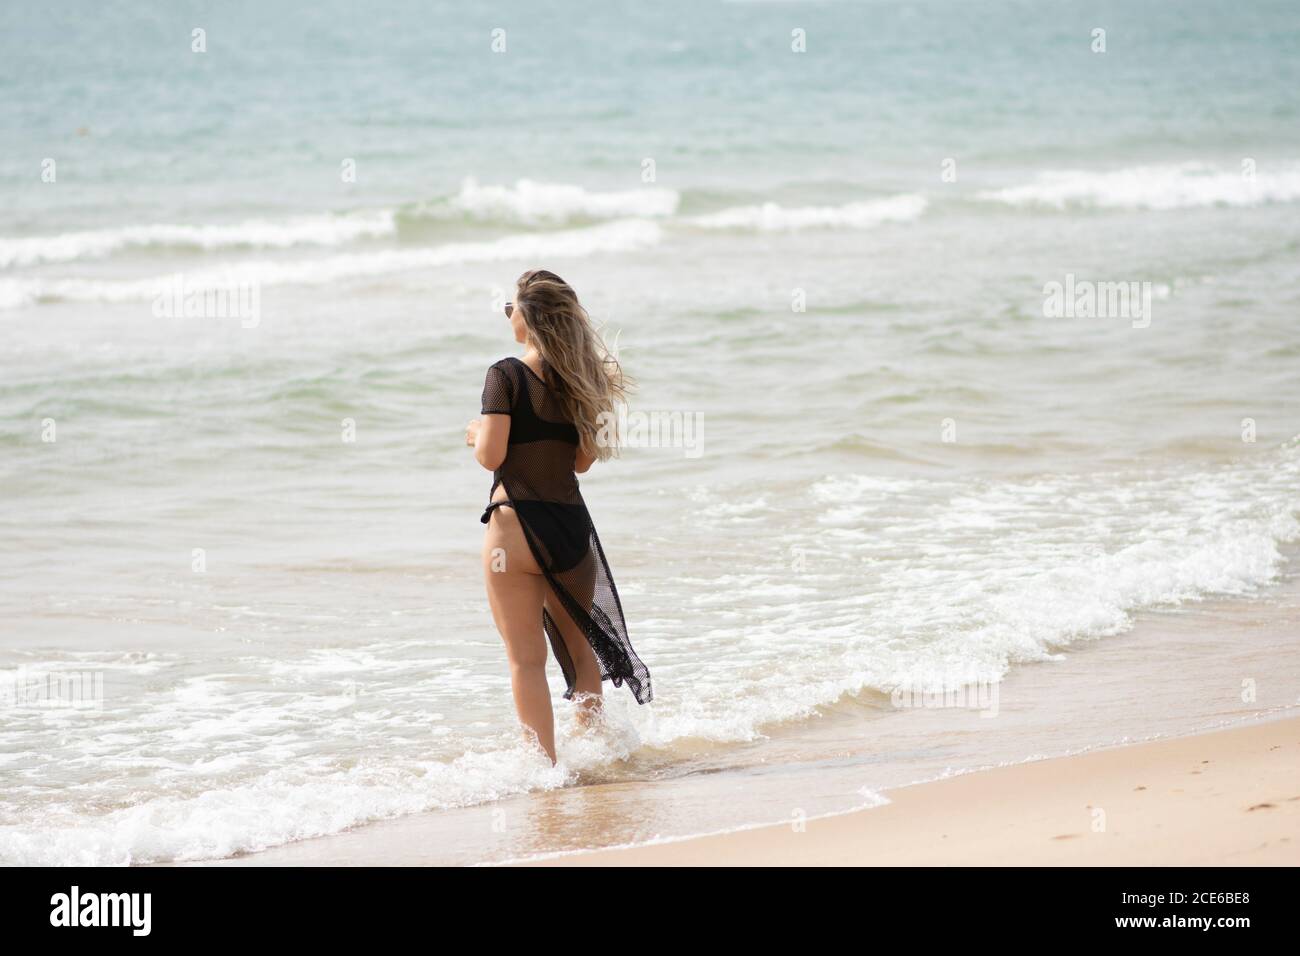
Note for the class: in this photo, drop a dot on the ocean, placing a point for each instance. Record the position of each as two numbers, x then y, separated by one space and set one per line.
982 341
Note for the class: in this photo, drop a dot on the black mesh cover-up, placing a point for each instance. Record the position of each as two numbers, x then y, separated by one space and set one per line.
541 486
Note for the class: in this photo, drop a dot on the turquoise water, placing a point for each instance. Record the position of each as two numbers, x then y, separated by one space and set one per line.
412 92
920 477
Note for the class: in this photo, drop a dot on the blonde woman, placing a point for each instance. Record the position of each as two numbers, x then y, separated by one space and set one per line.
546 573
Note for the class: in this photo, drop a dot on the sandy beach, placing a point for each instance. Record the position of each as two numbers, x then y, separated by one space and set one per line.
1230 797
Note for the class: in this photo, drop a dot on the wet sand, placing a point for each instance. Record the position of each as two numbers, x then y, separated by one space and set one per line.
1231 797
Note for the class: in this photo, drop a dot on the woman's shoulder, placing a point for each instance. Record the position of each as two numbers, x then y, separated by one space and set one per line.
503 369
500 387
506 374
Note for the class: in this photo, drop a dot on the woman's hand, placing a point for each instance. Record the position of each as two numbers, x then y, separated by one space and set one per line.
471 433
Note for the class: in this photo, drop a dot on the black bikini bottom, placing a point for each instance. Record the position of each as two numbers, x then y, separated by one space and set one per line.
563 530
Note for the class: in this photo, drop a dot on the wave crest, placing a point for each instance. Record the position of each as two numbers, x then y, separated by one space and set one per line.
531 203
1181 186
252 233
620 236
772 217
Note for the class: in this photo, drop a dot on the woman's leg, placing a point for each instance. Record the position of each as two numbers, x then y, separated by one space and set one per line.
580 582
516 590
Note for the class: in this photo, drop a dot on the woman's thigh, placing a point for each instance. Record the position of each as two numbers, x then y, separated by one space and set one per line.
515 586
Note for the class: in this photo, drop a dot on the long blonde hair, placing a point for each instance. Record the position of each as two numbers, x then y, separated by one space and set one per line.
581 370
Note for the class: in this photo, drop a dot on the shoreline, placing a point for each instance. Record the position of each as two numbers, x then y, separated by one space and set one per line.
1101 697
1221 797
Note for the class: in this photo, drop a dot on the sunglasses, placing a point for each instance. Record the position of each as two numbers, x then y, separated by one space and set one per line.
510 309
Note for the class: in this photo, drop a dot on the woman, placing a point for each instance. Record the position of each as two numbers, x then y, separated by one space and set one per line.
543 422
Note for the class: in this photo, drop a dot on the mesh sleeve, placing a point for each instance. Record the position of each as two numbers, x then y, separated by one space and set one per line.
498 392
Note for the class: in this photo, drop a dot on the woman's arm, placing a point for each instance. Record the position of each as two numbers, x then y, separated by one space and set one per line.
582 461
489 437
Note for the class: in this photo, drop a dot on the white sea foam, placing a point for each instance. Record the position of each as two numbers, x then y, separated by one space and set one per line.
1160 187
240 774
252 233
525 203
534 203
1043 577
771 217
618 236
933 584
282 806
